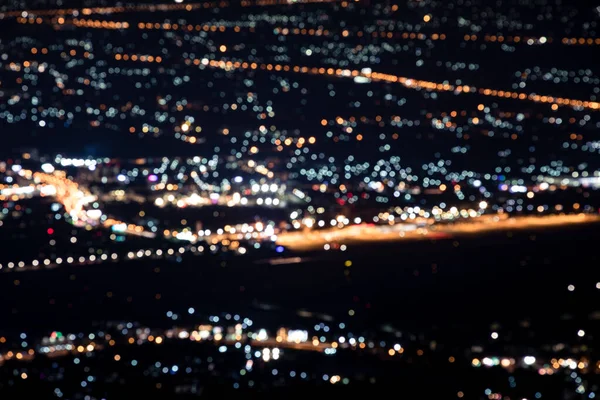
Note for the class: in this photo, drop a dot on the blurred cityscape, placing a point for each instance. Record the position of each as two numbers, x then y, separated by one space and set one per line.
266 198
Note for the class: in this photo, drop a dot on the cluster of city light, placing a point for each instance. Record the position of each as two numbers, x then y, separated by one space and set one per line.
408 222
543 368
230 200
229 237
555 102
350 125
131 229
16 192
365 73
71 162
257 344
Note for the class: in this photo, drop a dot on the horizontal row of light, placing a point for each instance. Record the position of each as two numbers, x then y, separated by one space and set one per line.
138 57
153 7
115 10
89 23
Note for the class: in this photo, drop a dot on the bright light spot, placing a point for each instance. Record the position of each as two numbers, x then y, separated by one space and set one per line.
571 288
494 335
581 333
529 360
48 168
262 335
94 214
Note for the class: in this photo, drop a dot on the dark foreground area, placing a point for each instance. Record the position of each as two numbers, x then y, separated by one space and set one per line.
434 284
447 303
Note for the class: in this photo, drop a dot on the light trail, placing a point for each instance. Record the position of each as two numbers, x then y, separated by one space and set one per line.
317 239
284 261
520 223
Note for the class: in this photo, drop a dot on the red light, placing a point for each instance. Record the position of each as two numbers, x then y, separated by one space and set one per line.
50 231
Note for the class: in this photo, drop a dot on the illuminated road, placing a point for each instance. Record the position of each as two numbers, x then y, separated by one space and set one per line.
318 239
73 199
304 346
408 82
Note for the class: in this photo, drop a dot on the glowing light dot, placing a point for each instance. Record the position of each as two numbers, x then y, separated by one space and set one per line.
529 360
